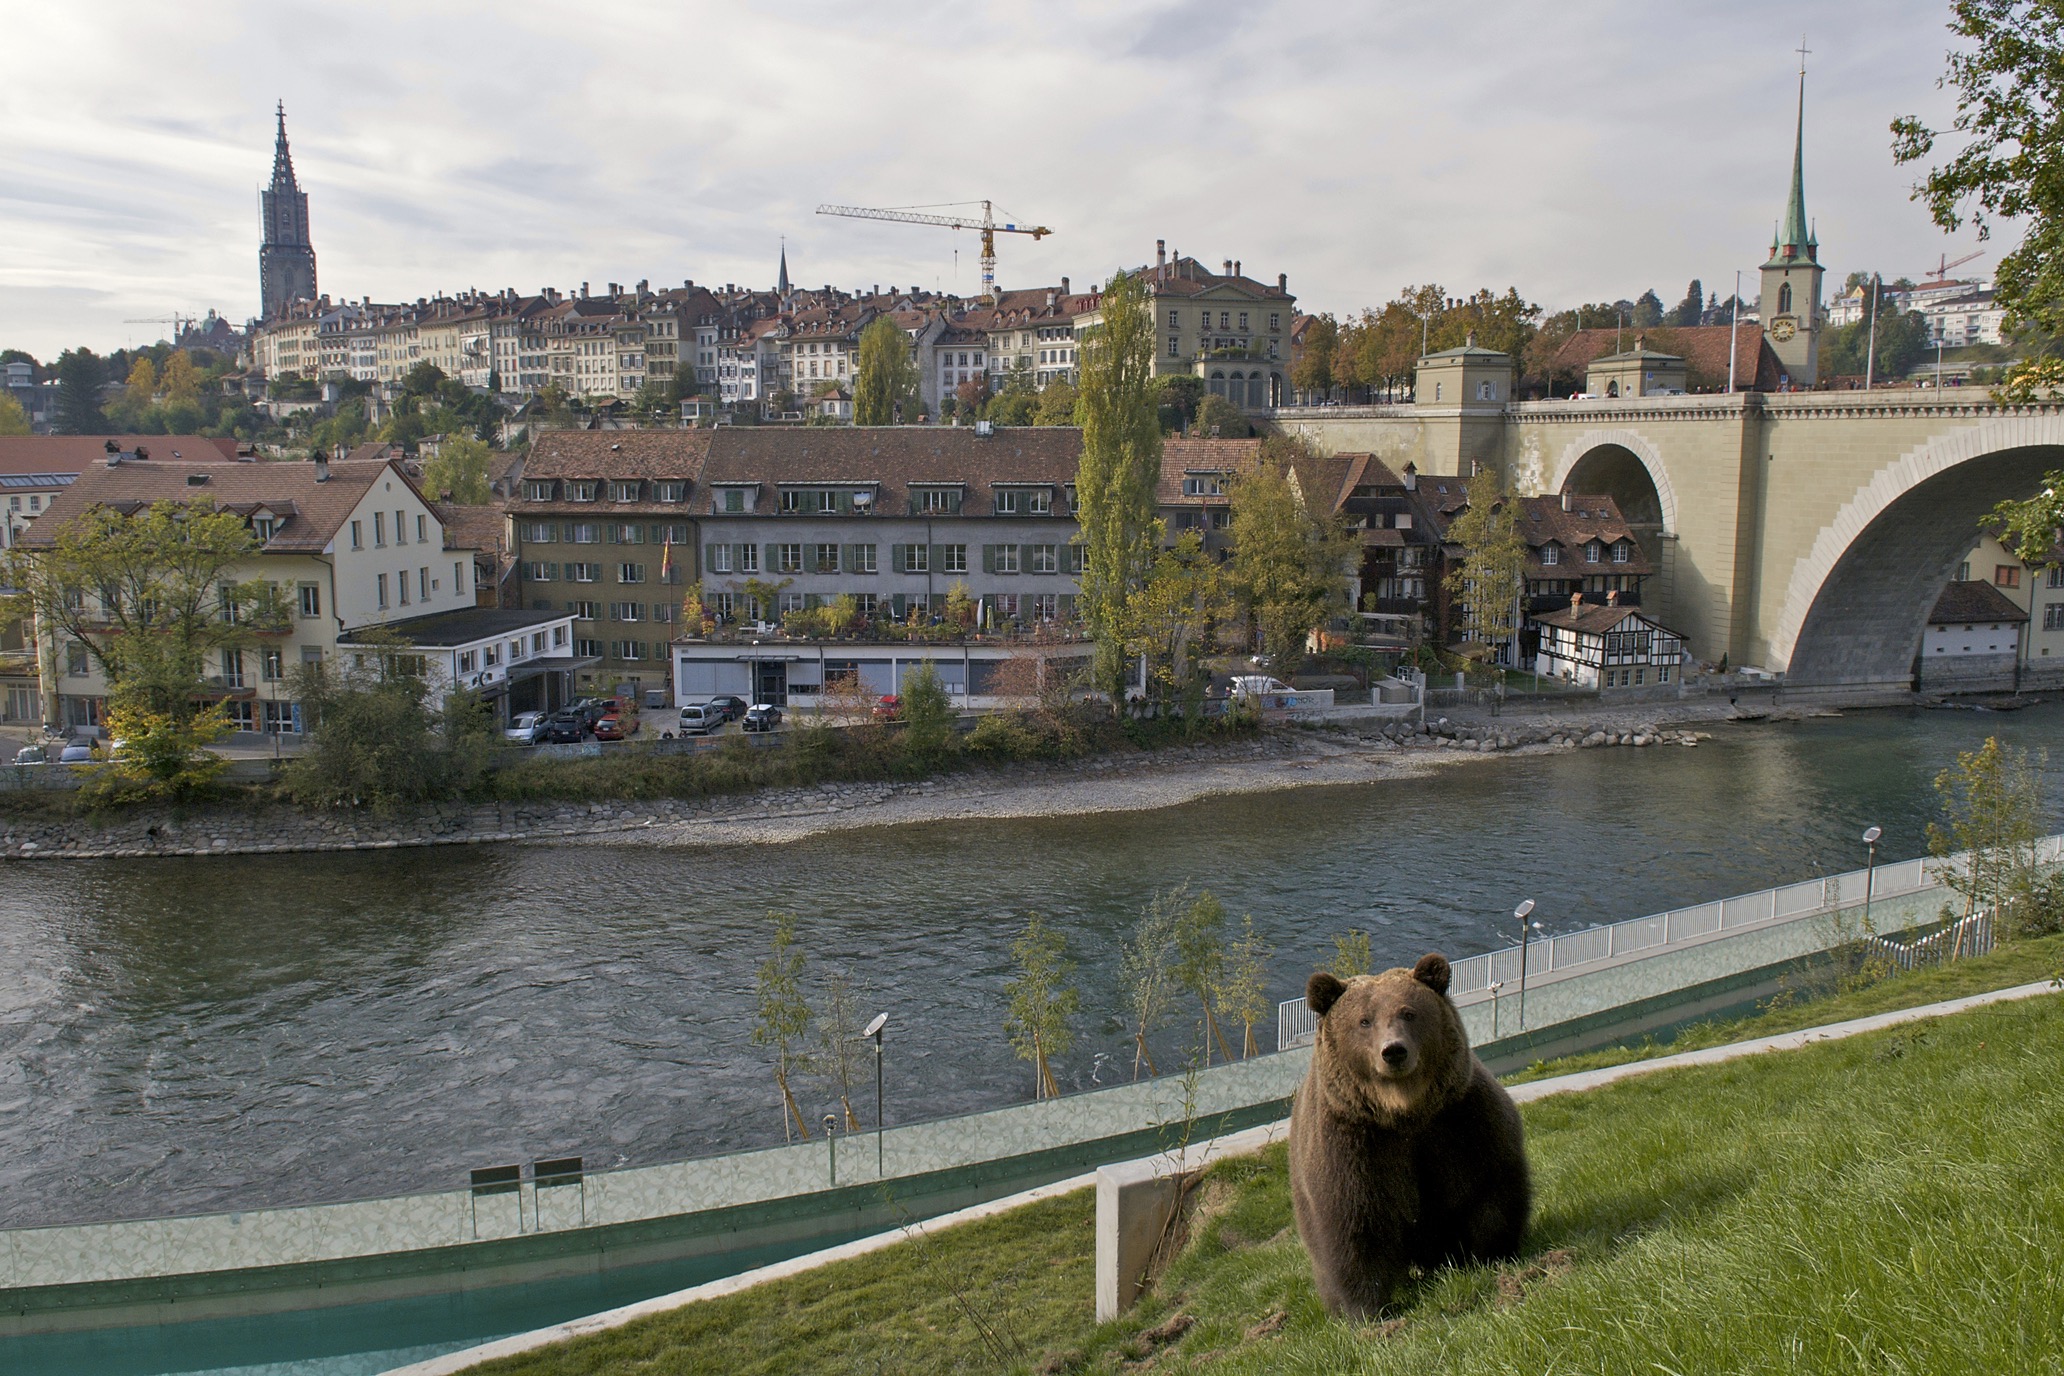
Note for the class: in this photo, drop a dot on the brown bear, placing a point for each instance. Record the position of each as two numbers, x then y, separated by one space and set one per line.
1404 1150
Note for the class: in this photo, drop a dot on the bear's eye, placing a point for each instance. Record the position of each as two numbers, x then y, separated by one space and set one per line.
1365 1022
1406 1015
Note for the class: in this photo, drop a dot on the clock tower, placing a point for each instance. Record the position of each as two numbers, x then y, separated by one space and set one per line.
1790 306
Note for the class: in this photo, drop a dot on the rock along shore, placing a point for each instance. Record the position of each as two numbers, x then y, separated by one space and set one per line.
1336 752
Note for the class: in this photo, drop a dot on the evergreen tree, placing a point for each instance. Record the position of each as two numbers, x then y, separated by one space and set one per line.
79 375
1121 462
1693 308
886 381
1648 310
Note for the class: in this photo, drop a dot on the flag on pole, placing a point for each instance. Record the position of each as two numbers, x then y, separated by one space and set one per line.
666 561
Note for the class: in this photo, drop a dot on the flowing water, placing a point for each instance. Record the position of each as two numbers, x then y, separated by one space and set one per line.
187 1035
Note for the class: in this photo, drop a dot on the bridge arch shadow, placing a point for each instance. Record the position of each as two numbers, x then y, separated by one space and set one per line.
1858 601
1623 465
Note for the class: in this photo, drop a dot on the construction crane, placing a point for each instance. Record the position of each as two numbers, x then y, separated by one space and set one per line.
987 224
1940 272
179 323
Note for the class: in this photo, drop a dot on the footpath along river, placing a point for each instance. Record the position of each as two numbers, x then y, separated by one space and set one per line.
185 1035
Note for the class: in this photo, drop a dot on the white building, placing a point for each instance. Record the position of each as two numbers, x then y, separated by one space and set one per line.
1605 646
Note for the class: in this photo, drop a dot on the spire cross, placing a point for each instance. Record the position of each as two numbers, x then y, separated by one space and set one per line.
1803 50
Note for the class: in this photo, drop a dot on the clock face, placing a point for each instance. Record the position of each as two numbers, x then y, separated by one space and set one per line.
1783 328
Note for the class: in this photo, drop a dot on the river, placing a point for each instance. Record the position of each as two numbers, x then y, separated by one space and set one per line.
180 1036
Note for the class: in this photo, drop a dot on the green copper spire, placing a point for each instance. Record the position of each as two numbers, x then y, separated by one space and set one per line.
1795 237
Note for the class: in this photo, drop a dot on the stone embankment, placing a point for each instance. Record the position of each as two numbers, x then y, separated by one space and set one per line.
1482 737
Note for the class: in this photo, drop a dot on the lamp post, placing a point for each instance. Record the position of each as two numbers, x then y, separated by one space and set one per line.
1526 931
1870 356
874 1033
1870 873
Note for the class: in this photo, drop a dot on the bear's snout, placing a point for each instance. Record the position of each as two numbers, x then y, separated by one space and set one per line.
1395 1054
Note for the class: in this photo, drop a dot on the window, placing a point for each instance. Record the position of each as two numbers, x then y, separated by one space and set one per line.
1243 320
863 560
1006 503
380 584
826 560
1275 321
669 492
748 558
1003 558
788 558
580 492
864 603
1205 485
558 637
937 500
586 533
232 668
1551 554
401 527
2053 616
262 527
1619 551
917 559
539 532
537 490
379 528
584 573
357 536
422 529
458 577
661 611
1039 502
588 649
404 581
953 558
1174 320
1046 559
631 533
311 599
584 611
1784 299
720 558
791 501
630 573
238 715
1174 347
734 500
1046 606
623 491
1593 552
2007 576
490 655
468 661
75 660
626 611
1078 558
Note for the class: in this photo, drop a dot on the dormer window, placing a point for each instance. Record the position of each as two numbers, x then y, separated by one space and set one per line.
1551 553
623 491
537 490
669 492
581 491
1204 485
1594 552
263 527
1039 502
1620 551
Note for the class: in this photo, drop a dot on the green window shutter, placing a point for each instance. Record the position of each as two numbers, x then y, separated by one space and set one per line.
551 573
709 556
609 533
897 609
938 558
898 558
988 558
770 559
1065 604
1024 558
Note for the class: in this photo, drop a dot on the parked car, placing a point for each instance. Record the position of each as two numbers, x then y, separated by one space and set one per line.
568 726
701 718
526 728
31 754
615 727
734 707
591 710
762 716
76 752
889 707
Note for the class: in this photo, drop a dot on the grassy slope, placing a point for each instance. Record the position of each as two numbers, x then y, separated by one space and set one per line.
1889 1203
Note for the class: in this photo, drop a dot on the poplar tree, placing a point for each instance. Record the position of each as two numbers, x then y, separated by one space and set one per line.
1991 819
1144 960
1242 989
1118 402
1042 1003
886 378
1290 563
1486 582
782 1016
1200 962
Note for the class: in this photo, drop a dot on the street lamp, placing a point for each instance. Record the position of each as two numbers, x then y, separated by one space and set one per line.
1526 931
874 1031
1870 873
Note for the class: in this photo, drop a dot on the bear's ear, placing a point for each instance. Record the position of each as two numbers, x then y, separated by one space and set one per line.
1433 972
1322 991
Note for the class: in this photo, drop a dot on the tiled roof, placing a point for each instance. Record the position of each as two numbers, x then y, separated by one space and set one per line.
1702 347
473 527
74 453
1182 458
677 454
897 457
1542 519
313 510
1595 618
1974 600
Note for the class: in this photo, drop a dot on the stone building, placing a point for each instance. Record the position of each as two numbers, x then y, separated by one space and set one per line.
286 257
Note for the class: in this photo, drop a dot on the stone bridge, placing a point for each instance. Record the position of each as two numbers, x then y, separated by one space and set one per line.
1803 532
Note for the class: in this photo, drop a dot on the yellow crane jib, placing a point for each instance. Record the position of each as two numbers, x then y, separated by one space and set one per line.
912 215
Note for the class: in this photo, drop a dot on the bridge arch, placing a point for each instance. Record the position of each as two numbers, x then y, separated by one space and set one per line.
1624 465
1857 601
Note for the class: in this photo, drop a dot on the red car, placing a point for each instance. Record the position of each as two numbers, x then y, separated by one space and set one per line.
615 728
889 707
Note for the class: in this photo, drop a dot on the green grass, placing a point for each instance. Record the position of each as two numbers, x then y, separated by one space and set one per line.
1807 1004
1888 1203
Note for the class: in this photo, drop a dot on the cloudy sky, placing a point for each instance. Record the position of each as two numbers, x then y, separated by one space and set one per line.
1580 151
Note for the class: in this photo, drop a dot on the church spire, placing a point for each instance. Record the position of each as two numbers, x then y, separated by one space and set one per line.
1795 236
282 159
781 282
286 258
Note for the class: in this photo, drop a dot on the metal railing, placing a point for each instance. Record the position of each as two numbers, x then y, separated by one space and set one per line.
1654 935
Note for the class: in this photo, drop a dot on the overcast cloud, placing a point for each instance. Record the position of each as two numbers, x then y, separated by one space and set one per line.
1578 152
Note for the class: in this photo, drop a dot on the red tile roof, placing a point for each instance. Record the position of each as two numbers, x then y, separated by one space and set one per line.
74 453
313 509
1703 348
1974 600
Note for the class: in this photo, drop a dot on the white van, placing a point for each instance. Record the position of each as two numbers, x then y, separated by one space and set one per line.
701 718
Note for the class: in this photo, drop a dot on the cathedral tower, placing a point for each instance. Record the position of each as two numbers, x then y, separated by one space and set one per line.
1790 306
286 259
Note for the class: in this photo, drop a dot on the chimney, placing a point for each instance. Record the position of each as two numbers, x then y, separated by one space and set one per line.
1160 253
1236 267
114 454
322 466
1411 477
1576 601
1569 501
584 291
1228 268
1283 282
1612 598
1064 286
1050 299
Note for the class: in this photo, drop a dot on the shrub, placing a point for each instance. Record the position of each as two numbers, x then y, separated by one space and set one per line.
928 739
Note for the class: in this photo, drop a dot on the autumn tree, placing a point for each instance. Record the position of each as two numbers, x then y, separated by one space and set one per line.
13 420
1991 819
885 383
1242 987
1312 375
1351 954
1218 418
1169 621
459 471
1290 561
179 380
1056 405
1115 481
1486 580
1199 967
782 1016
1042 1003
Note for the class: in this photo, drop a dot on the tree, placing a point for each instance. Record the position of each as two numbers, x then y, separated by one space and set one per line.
927 716
1648 310
1290 563
1144 960
1242 988
1350 954
841 1059
1168 622
973 394
782 1016
1013 406
1116 477
1056 405
1180 395
179 380
458 472
1312 374
1042 1003
1486 581
1692 309
13 420
2008 75
886 381
1220 419
378 734
148 594
1200 962
79 375
1991 818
